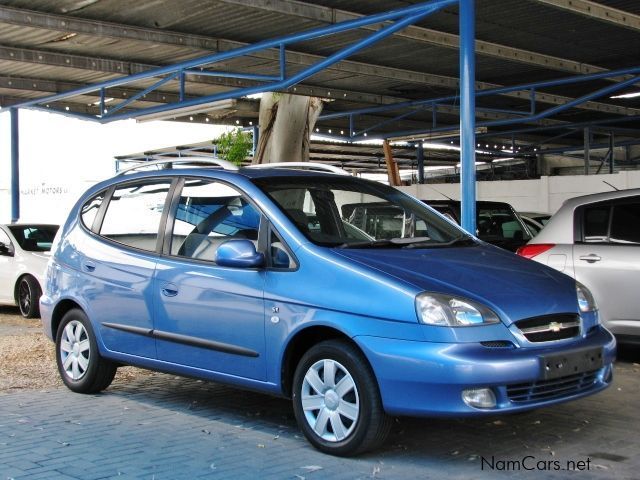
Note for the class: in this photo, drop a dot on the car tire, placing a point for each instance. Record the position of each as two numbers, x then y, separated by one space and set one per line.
28 296
335 377
80 364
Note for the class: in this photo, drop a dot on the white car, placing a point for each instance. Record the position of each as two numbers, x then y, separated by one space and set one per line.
24 253
596 240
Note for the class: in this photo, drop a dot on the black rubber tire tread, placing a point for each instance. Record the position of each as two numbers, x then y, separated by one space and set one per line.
373 424
100 372
34 292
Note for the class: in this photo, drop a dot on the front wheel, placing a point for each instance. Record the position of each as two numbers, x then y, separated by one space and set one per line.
28 297
81 367
336 400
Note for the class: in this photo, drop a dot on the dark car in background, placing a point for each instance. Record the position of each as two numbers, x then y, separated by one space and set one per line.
496 222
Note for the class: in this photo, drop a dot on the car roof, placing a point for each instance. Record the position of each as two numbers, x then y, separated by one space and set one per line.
598 197
456 203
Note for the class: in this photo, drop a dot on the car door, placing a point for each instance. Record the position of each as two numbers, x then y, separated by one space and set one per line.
118 263
607 260
7 270
208 316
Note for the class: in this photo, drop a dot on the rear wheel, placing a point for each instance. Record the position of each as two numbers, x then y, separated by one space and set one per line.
28 297
336 400
80 365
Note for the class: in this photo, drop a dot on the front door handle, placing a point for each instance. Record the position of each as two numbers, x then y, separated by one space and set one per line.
169 290
591 258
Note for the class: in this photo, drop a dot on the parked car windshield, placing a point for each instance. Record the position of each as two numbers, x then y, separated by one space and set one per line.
350 213
34 238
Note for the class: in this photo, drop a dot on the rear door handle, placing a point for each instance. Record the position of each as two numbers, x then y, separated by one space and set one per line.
89 266
591 258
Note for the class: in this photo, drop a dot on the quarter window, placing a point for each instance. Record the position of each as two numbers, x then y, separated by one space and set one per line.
134 213
625 224
208 214
90 210
596 223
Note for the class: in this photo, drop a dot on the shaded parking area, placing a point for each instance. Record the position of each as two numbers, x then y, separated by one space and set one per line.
158 426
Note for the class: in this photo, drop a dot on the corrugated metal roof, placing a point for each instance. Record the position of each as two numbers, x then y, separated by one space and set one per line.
393 69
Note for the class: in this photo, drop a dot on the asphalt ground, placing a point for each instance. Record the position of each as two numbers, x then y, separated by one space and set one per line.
156 426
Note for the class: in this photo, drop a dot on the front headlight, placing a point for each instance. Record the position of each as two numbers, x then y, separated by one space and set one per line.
586 302
449 311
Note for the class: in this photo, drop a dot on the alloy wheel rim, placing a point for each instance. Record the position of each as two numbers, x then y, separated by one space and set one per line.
330 400
24 298
75 350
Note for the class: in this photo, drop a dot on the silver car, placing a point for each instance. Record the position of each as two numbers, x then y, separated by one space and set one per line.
596 239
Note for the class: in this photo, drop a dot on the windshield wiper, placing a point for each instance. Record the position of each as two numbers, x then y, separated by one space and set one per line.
418 242
370 244
464 240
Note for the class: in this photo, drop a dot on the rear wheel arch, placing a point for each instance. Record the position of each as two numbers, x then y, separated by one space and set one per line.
59 312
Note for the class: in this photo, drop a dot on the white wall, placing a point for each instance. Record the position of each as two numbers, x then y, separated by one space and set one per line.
61 157
543 195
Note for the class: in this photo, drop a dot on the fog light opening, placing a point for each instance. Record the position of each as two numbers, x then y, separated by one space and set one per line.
479 397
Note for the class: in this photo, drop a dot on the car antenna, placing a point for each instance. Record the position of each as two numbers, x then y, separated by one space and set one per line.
445 196
612 186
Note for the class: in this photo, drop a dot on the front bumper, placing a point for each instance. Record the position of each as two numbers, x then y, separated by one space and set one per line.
427 379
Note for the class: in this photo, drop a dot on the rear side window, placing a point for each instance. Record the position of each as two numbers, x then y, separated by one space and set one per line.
625 224
134 213
208 214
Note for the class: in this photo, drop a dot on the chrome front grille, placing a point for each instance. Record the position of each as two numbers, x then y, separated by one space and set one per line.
550 327
552 389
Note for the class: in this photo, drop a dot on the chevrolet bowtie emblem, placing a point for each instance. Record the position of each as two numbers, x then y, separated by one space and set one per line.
555 327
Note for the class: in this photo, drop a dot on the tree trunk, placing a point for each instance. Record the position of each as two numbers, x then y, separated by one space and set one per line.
286 122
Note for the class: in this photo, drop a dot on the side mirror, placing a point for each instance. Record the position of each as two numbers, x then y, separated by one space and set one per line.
239 254
6 250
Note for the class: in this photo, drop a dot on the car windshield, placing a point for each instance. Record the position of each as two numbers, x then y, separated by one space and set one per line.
34 238
351 213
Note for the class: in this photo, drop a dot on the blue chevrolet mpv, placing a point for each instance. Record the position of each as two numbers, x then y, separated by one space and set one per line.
282 280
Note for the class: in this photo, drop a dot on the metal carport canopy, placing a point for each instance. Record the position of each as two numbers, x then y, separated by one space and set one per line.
49 47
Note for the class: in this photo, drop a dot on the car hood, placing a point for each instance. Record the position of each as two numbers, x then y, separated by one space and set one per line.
513 286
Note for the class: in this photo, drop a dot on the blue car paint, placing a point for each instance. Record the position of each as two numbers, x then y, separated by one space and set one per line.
368 295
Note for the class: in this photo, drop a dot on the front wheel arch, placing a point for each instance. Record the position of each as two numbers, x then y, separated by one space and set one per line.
299 344
33 284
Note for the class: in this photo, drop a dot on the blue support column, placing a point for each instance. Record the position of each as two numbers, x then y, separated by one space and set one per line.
15 166
467 116
420 160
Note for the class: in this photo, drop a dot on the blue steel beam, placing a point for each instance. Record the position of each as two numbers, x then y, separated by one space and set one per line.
467 116
534 87
513 121
403 17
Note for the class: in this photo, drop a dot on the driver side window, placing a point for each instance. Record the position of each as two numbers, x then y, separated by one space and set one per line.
6 247
209 213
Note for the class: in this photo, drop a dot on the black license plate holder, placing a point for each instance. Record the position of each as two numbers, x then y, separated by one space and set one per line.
571 362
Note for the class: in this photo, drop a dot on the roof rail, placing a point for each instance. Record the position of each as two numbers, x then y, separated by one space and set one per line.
197 161
321 167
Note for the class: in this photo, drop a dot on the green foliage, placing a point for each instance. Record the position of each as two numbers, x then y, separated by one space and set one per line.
235 146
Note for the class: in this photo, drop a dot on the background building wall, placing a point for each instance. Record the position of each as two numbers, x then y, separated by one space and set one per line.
544 195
